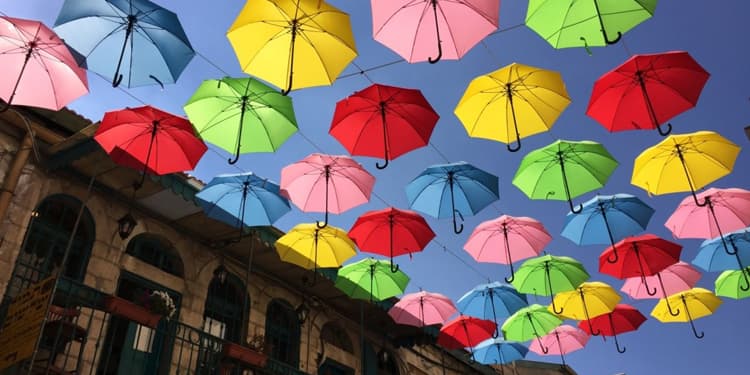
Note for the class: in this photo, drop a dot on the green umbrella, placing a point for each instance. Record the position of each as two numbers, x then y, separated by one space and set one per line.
564 170
371 279
548 274
730 284
530 322
241 115
584 23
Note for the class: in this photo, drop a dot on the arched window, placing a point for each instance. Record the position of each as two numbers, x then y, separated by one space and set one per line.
336 336
282 332
157 252
227 306
380 363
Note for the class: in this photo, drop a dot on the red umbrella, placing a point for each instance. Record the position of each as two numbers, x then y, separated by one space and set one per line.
391 232
642 256
465 332
624 318
150 139
401 117
646 91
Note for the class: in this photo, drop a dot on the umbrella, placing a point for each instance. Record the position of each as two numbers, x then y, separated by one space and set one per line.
467 188
548 274
391 232
606 219
401 117
564 170
493 301
311 247
684 162
417 29
588 300
498 351
524 100
307 183
422 309
137 34
646 91
274 39
241 115
575 23
562 340
642 256
712 256
524 235
371 279
696 303
465 332
624 318
675 278
38 68
529 323
728 284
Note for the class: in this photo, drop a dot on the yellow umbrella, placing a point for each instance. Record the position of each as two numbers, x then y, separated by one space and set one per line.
311 247
684 162
696 303
588 300
292 43
512 103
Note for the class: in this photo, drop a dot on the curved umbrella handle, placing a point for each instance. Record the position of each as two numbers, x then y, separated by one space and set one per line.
509 92
616 258
663 132
460 228
508 254
608 41
617 345
575 210
609 234
648 290
295 25
586 46
676 311
323 224
383 166
437 33
512 275
690 319
745 287
239 132
394 269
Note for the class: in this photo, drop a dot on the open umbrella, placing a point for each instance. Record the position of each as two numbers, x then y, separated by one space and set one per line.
564 170
132 40
465 332
733 284
422 309
493 301
675 278
419 29
391 232
694 303
646 91
530 322
326 183
511 103
241 115
371 279
640 256
38 68
606 219
684 162
274 39
311 247
585 23
712 257
588 300
498 351
624 318
548 275
401 117
507 239
561 341
445 190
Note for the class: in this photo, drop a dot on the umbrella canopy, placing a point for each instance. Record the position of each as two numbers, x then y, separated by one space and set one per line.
371 279
132 40
493 301
507 239
562 340
529 323
590 299
574 23
564 170
422 309
624 318
733 284
465 332
692 304
241 115
311 247
641 256
712 255
445 190
675 278
428 30
292 44
498 351
38 68
326 183
391 232
548 274
401 117
646 91
524 100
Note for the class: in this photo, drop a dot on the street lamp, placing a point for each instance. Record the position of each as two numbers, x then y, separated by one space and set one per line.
125 225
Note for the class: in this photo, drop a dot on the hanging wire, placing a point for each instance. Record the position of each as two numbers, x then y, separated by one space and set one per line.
363 71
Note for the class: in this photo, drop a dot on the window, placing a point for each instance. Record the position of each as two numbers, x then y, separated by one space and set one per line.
227 307
282 332
336 336
157 252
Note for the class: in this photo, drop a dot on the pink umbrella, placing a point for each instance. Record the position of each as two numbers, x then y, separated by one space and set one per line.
422 309
519 237
676 278
562 340
419 29
326 183
38 68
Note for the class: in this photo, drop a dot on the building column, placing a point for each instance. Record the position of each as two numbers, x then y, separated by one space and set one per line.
14 174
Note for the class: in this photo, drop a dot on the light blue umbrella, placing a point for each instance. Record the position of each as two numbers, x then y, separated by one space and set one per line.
498 351
606 219
132 40
713 258
493 301
447 190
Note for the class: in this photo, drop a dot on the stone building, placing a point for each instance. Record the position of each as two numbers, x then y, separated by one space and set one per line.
62 208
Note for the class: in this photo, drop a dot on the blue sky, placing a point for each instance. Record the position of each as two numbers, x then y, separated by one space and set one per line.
713 36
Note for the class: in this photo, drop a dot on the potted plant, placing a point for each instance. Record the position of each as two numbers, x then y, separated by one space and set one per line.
149 312
252 354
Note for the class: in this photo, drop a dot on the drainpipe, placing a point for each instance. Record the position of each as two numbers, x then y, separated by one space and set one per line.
14 173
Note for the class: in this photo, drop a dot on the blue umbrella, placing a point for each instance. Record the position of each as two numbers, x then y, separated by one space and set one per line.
137 34
498 351
494 301
606 219
713 258
448 189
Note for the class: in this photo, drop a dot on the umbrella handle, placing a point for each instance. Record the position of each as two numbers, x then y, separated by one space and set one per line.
614 334
509 91
394 269
604 31
295 26
586 46
611 237
690 319
745 287
322 224
460 228
512 275
575 210
437 33
606 39
385 137
663 132
117 77
674 312
617 345
507 253
325 219
616 258
29 53
379 166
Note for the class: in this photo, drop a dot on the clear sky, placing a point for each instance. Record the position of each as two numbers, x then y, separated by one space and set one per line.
714 36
